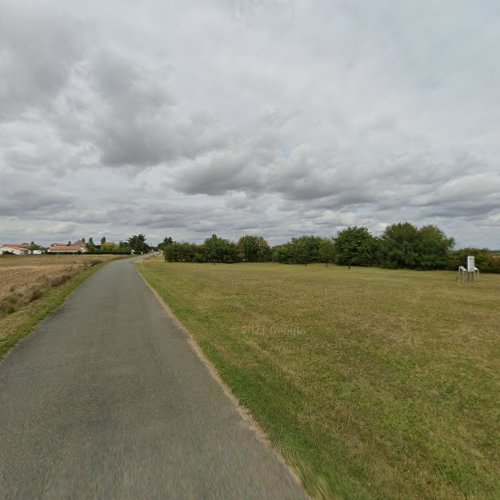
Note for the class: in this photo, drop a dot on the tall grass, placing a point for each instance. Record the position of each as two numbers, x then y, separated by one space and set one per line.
24 307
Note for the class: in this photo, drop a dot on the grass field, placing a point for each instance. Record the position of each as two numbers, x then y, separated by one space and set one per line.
372 383
32 286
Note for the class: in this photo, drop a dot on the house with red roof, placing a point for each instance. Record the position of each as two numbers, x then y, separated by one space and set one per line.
75 247
9 248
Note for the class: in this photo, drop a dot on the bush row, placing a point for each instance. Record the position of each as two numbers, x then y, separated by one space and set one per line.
401 246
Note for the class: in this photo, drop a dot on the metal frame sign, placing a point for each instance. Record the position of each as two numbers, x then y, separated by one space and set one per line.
471 263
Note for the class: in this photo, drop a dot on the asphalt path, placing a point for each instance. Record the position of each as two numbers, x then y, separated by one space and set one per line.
107 399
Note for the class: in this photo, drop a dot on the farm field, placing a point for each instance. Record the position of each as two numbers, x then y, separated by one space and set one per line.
32 286
372 383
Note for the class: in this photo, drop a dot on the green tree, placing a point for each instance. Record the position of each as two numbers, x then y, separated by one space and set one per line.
220 250
326 251
124 247
306 249
355 246
433 248
33 246
405 246
91 248
253 249
184 252
109 247
166 241
283 253
400 246
302 250
103 240
138 244
172 252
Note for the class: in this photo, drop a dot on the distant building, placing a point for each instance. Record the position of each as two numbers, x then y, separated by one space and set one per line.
14 249
75 247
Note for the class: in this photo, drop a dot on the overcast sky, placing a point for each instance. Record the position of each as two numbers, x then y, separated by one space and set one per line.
272 117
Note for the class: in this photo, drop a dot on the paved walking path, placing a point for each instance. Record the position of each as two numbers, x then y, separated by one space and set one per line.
106 399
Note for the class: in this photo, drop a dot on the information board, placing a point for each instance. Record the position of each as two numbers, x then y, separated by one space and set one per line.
471 263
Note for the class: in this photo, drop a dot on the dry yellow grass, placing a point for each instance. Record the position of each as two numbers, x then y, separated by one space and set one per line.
32 286
373 383
24 278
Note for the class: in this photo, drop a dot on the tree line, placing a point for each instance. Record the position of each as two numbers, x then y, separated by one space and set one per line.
401 246
134 244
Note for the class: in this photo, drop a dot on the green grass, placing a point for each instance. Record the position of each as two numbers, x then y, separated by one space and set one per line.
372 383
17 325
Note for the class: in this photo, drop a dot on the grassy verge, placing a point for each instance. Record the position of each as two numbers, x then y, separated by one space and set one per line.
372 383
20 323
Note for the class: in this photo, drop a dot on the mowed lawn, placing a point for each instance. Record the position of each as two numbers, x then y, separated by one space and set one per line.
372 383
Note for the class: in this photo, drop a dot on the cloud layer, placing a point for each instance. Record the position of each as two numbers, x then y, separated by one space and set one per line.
278 117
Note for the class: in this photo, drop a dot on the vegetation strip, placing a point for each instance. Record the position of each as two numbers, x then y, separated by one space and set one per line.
18 324
373 383
401 246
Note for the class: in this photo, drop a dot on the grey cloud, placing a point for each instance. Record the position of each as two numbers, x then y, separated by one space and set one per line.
216 174
38 48
468 210
34 204
132 125
130 118
276 117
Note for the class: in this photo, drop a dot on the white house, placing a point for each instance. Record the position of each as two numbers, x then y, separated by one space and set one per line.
15 249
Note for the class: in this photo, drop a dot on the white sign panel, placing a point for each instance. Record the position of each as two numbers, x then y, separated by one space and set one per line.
471 263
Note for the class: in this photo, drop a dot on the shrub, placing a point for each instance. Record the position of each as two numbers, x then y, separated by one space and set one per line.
486 261
355 246
403 245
